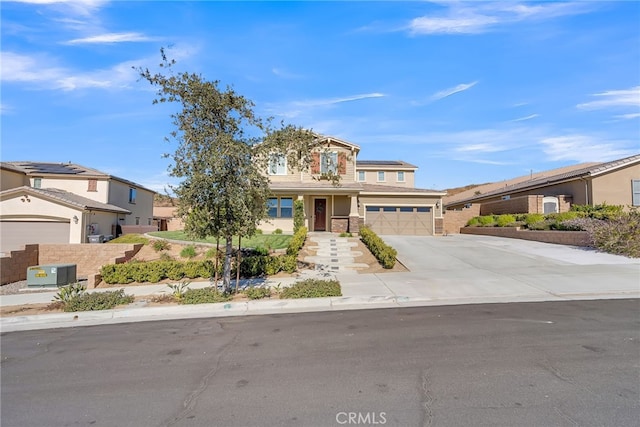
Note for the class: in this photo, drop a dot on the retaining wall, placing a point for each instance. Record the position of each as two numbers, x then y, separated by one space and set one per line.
573 238
14 268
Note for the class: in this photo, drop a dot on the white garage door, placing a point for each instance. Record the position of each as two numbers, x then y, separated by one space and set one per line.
400 220
15 234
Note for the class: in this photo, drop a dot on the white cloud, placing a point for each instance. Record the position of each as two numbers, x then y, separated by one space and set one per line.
628 116
614 98
522 119
285 74
331 101
583 148
112 38
42 71
448 92
80 7
480 17
298 108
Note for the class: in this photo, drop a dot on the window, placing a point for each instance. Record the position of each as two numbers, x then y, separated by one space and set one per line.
423 209
635 188
381 176
328 163
137 220
389 209
401 176
148 221
286 207
93 185
280 207
132 196
37 182
272 204
362 176
277 164
406 209
373 208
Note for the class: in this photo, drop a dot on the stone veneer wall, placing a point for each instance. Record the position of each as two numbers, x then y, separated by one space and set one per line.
573 238
14 268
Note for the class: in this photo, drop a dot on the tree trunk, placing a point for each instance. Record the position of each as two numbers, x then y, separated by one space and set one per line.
226 274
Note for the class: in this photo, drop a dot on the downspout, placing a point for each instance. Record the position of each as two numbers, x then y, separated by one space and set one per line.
586 190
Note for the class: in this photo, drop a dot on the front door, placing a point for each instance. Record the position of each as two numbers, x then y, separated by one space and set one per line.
320 209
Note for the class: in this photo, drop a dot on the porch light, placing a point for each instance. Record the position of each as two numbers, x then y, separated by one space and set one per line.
75 219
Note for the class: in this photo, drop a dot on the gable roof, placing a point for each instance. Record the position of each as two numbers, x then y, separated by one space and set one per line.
394 164
588 171
64 197
330 139
30 168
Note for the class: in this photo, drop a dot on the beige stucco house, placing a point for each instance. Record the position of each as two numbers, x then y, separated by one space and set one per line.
615 183
380 194
66 203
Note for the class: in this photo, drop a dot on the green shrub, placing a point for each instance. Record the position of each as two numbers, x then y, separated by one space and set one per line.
98 301
261 251
619 235
288 263
487 220
277 231
204 296
155 271
298 215
160 245
505 220
257 293
346 235
601 211
533 218
312 288
297 241
178 289
188 252
69 292
384 253
258 231
473 222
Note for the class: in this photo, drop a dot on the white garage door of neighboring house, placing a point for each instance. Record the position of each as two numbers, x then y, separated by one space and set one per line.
15 234
400 220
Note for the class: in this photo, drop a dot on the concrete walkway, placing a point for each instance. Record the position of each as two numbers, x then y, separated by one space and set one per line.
458 269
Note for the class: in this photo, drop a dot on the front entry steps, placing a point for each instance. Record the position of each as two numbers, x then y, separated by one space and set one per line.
333 253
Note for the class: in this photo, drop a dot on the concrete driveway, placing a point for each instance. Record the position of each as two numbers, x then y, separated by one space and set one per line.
466 268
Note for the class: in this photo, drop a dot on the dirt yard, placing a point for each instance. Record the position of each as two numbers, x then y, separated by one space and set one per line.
147 253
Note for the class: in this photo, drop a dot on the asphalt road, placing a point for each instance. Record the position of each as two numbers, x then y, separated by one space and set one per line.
527 364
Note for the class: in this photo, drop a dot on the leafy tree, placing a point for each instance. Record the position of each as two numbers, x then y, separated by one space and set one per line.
222 155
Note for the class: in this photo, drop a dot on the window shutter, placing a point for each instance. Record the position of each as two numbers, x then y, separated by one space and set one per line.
315 163
342 164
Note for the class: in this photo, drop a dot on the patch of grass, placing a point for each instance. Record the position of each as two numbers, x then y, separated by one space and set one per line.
274 241
257 293
131 238
312 288
161 245
188 252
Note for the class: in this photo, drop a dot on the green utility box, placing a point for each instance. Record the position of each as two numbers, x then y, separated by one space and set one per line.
51 276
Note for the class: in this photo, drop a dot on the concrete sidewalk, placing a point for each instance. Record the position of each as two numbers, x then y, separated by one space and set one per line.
459 269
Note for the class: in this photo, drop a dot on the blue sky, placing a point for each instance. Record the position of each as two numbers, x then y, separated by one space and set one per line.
470 92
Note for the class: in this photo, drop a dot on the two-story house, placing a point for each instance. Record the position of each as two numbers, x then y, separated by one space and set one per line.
66 203
379 194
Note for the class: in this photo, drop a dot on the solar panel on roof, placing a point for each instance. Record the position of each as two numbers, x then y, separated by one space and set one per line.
379 162
52 168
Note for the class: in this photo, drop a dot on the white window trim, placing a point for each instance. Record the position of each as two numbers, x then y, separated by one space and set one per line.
384 176
281 169
335 164
364 176
398 176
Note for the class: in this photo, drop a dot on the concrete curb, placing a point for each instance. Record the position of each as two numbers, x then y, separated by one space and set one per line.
265 307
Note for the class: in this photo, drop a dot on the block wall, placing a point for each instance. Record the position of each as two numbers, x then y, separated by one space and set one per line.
14 268
572 238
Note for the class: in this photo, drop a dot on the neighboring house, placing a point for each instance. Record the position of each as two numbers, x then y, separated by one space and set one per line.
66 203
166 218
380 194
615 183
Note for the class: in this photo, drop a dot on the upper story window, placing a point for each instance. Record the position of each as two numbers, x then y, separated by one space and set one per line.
362 176
381 176
400 176
37 182
132 195
278 164
329 163
93 185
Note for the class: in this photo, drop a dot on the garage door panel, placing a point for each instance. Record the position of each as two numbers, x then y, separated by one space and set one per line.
402 220
15 234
